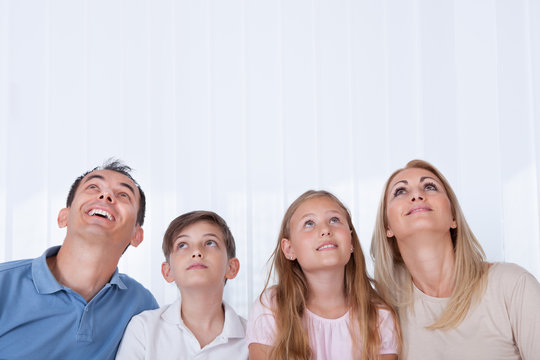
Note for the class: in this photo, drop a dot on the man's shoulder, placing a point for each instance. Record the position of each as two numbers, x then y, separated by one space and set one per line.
137 290
15 265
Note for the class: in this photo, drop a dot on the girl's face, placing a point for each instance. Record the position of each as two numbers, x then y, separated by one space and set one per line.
416 201
320 236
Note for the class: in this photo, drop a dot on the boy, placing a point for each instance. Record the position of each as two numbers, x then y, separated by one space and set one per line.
200 256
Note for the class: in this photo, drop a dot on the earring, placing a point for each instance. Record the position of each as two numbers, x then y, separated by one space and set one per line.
291 258
352 248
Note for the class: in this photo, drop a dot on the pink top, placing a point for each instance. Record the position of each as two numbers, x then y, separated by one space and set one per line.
329 338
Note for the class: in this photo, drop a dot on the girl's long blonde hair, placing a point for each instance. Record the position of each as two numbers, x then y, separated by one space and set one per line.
393 280
291 292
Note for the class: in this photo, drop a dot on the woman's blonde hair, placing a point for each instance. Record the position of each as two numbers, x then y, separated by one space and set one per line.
291 292
393 280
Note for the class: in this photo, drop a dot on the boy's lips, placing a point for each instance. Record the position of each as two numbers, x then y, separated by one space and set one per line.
197 266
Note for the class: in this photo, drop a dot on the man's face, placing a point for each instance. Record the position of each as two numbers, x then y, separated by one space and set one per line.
105 206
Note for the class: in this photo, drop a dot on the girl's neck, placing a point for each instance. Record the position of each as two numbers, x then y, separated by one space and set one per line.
326 294
203 314
430 260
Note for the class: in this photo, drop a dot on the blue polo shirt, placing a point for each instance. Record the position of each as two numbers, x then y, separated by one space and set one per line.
41 319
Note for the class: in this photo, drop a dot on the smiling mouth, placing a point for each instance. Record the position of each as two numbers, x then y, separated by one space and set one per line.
101 213
327 246
417 210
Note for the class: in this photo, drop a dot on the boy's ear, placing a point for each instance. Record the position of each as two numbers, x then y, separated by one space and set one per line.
287 249
233 267
62 218
166 272
137 237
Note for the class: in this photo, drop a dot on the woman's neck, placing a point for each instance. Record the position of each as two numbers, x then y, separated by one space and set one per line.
430 260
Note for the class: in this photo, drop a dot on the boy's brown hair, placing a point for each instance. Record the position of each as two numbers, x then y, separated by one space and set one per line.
184 220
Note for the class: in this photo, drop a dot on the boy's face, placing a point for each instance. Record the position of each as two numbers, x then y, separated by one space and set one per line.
198 258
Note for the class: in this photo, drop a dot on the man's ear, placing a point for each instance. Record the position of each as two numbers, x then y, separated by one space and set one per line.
166 272
233 267
62 218
287 249
137 237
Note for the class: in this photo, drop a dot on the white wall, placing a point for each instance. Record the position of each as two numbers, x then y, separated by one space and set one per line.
240 106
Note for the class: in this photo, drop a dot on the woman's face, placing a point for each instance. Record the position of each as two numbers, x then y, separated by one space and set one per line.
416 203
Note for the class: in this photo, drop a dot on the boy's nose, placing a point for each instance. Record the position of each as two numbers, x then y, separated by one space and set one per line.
196 254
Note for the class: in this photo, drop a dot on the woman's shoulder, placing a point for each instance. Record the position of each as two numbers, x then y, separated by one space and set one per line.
506 271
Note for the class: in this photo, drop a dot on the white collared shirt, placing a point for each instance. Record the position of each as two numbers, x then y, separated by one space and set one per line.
161 334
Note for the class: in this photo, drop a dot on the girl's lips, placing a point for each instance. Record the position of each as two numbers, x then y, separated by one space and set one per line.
327 246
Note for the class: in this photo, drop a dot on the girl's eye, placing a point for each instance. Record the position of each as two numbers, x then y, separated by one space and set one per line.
181 245
309 223
430 187
334 220
399 191
211 243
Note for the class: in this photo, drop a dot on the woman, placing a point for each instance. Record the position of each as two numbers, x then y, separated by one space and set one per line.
430 267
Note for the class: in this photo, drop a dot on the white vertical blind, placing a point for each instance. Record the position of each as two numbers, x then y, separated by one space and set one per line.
240 106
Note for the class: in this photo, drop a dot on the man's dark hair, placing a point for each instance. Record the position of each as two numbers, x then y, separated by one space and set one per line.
119 167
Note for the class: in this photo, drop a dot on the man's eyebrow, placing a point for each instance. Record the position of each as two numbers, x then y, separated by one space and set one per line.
129 187
95 176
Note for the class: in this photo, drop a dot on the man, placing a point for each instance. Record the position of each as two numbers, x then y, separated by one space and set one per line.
71 303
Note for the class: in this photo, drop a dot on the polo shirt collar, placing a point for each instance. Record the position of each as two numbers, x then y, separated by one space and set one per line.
46 283
232 328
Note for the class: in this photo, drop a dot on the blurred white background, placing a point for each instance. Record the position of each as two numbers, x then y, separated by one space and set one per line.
240 106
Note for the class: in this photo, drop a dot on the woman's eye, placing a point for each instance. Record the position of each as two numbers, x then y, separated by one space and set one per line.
430 187
399 191
211 243
309 223
334 220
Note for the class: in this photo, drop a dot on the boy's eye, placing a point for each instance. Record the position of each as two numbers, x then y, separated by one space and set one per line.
309 223
211 243
399 191
181 245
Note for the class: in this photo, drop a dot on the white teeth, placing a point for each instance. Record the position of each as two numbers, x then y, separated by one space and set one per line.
326 247
100 212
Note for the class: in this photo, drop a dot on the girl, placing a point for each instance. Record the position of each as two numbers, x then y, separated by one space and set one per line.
323 306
